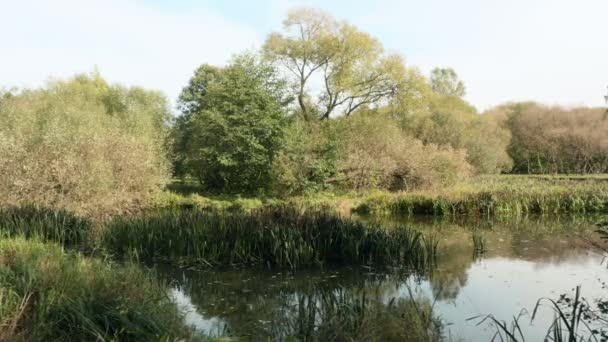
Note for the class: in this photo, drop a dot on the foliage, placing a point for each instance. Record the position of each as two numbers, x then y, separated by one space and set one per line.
231 128
82 144
308 161
281 236
445 81
378 154
47 294
555 140
352 67
449 121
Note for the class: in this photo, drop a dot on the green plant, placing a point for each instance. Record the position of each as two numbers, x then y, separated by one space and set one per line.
56 225
48 294
280 236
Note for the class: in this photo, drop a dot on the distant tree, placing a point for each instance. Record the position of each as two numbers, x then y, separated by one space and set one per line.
351 66
445 81
554 139
231 127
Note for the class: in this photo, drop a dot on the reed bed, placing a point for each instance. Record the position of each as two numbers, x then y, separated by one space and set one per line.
279 236
48 294
56 225
499 196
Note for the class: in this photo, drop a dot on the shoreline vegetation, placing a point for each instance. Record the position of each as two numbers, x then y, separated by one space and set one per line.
482 196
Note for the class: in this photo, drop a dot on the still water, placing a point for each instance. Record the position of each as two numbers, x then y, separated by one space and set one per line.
524 260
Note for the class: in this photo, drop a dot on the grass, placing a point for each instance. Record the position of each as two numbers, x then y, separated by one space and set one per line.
497 196
47 294
31 221
281 236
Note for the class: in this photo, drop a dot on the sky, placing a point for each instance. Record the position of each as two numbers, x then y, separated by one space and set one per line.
551 51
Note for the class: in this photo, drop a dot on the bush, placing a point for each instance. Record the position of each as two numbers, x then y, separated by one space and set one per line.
82 144
555 140
378 154
307 163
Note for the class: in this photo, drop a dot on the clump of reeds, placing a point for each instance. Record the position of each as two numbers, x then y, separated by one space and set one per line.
32 221
279 236
48 294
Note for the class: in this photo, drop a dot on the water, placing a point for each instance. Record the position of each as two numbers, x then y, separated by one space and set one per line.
524 260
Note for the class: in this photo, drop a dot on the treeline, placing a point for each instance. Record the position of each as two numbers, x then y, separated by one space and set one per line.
320 107
555 140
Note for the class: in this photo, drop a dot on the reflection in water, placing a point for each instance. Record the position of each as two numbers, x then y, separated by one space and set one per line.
525 260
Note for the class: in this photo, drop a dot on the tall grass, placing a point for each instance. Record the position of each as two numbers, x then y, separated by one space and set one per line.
57 225
50 295
280 236
499 196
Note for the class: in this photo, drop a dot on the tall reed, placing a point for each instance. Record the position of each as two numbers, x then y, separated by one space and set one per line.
279 236
32 221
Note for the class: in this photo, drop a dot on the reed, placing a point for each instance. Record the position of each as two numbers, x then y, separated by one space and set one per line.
56 225
277 236
48 294
574 321
499 196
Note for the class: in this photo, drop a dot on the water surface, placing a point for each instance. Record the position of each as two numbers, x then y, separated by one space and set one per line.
524 260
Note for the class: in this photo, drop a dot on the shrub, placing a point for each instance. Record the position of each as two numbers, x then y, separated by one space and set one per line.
377 153
82 144
554 139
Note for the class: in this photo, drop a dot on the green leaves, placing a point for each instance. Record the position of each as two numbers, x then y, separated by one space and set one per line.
232 126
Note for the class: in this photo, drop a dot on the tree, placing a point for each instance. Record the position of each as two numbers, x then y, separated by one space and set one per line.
351 66
445 81
554 139
230 129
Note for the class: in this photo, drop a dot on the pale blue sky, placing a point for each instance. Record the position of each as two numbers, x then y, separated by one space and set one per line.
553 51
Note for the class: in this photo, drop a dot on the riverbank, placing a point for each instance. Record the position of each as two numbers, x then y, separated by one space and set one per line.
488 195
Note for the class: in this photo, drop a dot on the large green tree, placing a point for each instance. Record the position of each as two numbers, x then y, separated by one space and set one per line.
350 66
231 127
